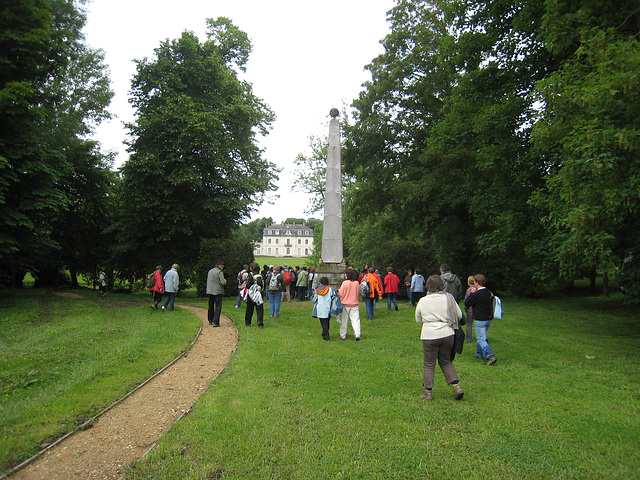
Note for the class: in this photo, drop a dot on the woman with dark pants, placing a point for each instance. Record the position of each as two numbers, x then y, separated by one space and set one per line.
254 278
439 314
158 287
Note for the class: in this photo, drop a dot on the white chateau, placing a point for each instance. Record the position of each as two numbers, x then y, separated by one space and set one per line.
285 240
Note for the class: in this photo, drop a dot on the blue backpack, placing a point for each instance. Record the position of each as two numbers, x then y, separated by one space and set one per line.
336 304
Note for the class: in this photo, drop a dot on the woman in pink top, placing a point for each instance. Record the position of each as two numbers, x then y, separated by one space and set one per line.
349 291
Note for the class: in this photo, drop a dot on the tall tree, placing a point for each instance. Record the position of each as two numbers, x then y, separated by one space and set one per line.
53 90
591 127
195 168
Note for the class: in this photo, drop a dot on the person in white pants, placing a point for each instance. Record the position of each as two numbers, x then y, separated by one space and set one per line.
349 292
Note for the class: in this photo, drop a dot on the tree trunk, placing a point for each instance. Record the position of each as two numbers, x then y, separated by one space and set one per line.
605 284
592 276
74 278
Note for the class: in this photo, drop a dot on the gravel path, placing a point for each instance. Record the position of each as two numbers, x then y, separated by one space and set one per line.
129 430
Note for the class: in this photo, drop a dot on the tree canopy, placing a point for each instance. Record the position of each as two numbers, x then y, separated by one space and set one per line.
53 90
195 168
504 135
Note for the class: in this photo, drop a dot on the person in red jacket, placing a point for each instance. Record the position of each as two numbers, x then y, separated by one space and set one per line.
158 287
391 282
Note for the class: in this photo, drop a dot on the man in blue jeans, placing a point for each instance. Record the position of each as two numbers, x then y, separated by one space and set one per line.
171 282
482 317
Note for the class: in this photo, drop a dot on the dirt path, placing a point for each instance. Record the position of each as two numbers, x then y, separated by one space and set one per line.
127 431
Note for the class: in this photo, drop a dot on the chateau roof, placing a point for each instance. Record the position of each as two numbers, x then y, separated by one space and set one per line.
287 229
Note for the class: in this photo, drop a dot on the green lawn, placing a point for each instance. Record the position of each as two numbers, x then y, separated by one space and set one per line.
561 403
64 360
292 262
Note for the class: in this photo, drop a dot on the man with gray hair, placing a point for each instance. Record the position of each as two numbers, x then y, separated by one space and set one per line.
171 283
215 291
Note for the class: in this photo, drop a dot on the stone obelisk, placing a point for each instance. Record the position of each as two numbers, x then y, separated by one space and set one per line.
332 263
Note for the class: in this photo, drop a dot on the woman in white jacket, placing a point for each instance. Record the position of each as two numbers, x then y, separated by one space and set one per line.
439 314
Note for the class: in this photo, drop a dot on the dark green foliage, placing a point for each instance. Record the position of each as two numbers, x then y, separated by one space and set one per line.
195 169
441 148
235 254
53 90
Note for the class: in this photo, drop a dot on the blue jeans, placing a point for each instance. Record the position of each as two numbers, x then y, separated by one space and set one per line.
369 303
409 295
274 302
483 349
239 299
391 297
171 299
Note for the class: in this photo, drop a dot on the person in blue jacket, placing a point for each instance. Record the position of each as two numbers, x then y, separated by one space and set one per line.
322 307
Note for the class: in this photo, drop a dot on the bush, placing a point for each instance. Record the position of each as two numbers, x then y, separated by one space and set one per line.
235 254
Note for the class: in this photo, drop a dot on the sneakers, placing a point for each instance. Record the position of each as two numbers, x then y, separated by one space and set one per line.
491 360
457 391
357 339
479 357
426 395
164 309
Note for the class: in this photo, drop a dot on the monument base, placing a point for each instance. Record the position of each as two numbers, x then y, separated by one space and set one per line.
333 271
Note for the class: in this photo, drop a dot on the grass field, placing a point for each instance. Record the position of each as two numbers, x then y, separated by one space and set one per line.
561 403
64 360
292 262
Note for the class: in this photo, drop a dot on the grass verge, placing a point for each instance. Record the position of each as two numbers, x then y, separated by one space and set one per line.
562 402
63 360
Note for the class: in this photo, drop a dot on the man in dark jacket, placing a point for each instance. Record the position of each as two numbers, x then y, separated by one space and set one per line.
482 317
215 291
452 283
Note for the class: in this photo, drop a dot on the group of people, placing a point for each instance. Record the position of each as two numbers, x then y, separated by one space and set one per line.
440 315
436 300
168 284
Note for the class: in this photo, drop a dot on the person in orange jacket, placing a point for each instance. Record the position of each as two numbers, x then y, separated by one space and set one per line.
375 292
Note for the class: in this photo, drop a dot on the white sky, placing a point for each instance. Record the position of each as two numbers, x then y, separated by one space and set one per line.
307 58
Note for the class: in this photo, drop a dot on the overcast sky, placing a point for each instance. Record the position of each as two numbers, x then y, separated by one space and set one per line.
308 57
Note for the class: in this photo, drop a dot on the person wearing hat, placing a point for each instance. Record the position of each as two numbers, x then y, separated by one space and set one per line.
215 291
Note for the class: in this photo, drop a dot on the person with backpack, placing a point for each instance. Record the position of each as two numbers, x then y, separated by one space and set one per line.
417 287
452 283
254 278
286 278
375 291
303 284
103 281
215 292
348 292
322 295
275 287
482 305
241 280
157 289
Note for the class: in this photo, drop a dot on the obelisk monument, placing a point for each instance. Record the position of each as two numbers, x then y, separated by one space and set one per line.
332 263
